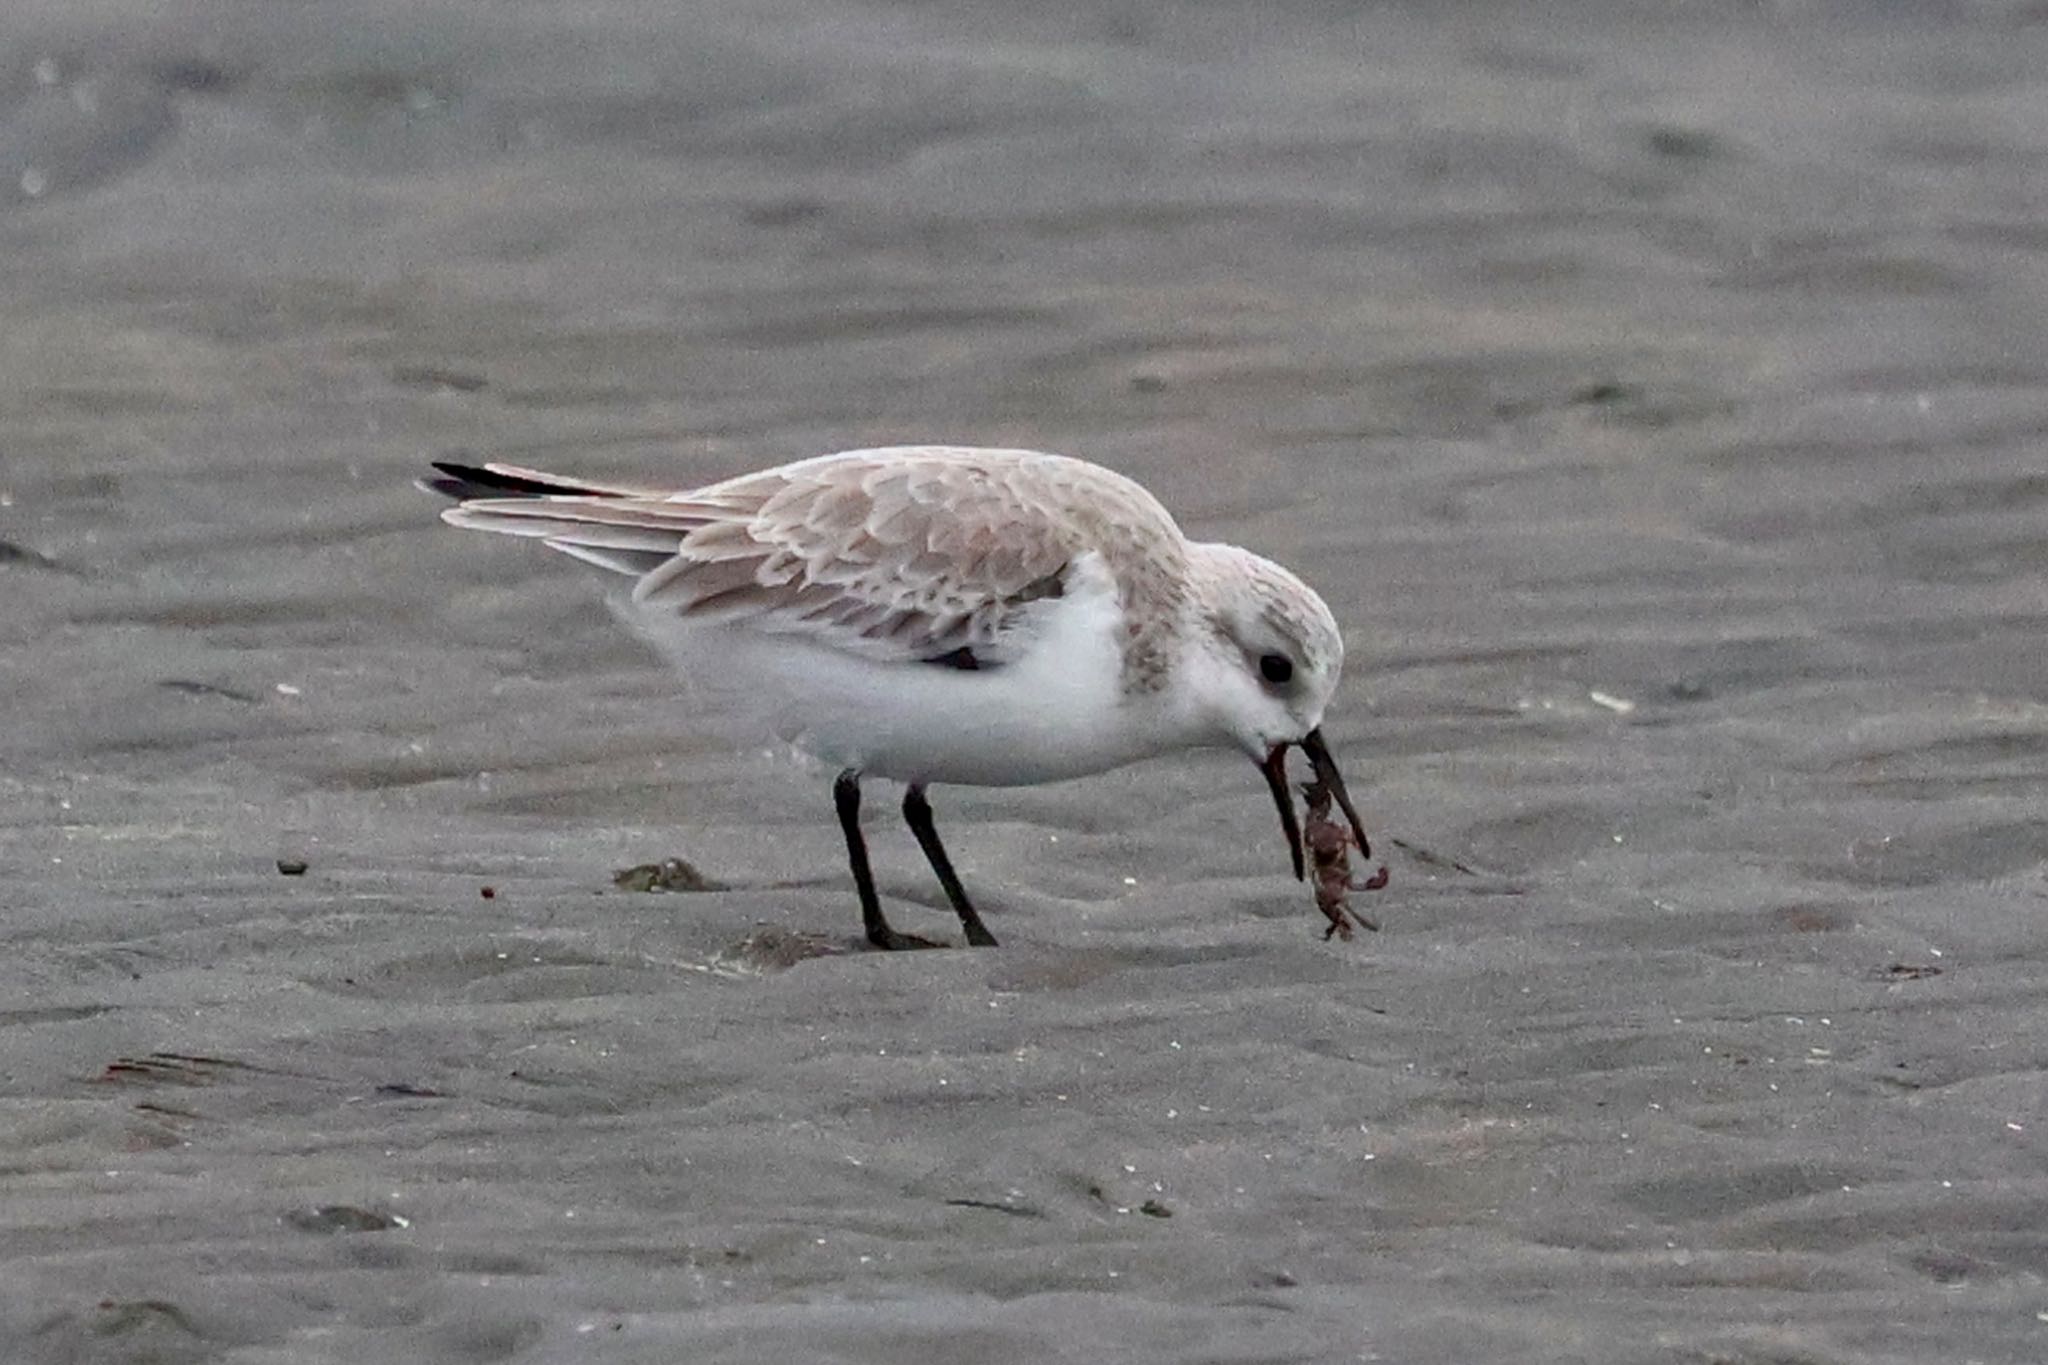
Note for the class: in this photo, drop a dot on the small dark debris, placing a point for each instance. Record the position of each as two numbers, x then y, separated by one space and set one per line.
1280 1279
1152 1208
437 377
1911 971
332 1218
172 1068
401 1090
489 893
670 874
1605 394
1640 407
193 688
291 867
194 1059
168 1111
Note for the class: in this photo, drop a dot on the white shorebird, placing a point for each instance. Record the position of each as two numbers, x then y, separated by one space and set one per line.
950 614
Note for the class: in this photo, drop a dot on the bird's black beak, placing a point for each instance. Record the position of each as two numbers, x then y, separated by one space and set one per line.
1327 774
1275 769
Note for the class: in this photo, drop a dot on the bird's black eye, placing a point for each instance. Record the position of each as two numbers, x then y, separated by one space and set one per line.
1276 668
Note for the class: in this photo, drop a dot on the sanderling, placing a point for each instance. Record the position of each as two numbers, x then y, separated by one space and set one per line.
936 614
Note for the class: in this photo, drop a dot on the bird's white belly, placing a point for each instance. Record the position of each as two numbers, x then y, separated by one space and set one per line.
1056 712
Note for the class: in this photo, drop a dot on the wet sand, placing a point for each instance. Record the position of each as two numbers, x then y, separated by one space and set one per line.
1658 396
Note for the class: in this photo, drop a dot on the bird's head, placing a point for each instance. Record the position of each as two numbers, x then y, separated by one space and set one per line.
1269 658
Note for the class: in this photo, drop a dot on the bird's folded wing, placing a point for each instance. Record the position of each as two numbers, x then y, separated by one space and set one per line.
895 559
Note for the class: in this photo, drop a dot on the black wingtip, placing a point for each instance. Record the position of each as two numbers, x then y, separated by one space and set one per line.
460 481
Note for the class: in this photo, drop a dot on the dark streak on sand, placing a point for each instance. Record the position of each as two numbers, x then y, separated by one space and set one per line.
996 1206
20 556
190 688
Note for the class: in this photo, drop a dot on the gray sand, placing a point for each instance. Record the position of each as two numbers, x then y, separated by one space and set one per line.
1658 394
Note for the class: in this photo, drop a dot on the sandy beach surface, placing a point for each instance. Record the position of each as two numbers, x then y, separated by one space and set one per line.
1657 392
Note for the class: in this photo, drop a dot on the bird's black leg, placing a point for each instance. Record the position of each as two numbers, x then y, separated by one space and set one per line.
918 812
846 796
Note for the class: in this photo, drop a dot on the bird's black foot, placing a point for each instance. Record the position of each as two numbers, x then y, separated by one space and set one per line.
891 940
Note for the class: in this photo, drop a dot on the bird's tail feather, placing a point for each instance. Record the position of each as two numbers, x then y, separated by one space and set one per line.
609 525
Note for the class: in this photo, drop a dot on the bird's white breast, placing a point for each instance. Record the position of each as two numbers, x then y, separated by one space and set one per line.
1057 710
